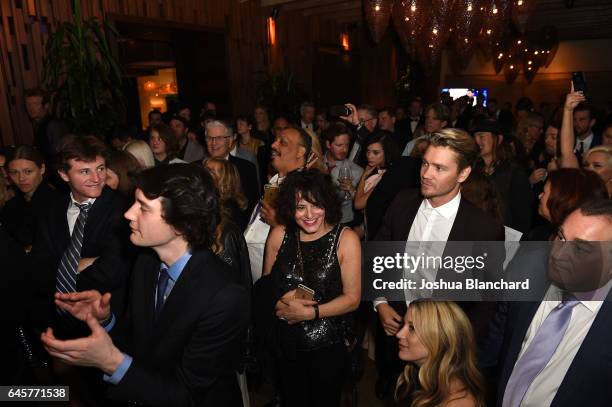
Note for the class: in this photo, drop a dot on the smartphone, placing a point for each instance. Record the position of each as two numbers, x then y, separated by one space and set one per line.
304 293
340 110
579 82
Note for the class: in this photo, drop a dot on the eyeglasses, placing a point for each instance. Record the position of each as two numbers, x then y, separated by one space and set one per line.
215 139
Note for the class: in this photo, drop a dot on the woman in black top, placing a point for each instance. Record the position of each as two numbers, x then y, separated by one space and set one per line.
314 265
25 166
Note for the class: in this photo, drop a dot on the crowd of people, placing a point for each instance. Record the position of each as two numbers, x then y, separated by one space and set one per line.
177 265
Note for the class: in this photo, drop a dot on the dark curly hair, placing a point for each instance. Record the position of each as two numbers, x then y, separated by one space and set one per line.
190 201
315 187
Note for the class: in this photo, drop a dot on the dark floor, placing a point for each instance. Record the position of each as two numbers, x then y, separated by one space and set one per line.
365 391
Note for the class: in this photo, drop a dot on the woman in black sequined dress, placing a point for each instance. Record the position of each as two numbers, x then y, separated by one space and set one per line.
312 250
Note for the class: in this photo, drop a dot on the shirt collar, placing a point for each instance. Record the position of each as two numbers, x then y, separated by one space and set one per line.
587 140
448 210
175 270
591 299
74 203
233 151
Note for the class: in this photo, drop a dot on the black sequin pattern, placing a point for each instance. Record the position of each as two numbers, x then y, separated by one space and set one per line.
321 273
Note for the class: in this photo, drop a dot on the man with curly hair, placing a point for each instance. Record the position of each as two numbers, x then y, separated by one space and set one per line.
187 316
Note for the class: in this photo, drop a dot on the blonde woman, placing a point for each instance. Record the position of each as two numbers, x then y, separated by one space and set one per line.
232 197
438 343
142 152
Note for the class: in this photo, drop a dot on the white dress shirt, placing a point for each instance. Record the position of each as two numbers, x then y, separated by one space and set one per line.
544 387
305 126
256 234
430 225
73 211
586 143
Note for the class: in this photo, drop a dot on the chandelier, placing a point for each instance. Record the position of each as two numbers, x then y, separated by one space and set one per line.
497 28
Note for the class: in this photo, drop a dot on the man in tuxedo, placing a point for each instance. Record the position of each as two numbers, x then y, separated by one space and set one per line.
219 138
437 212
307 116
557 352
187 314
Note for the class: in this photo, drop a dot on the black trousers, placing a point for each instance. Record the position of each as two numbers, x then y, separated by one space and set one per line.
388 363
315 378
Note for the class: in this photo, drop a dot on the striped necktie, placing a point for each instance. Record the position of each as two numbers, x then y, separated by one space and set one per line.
67 272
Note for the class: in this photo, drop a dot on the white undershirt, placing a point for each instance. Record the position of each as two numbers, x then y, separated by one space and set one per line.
430 225
73 211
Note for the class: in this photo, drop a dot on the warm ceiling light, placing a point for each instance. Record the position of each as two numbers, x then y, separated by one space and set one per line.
511 66
489 32
413 8
519 41
500 56
519 3
435 31
494 10
377 8
529 62
469 7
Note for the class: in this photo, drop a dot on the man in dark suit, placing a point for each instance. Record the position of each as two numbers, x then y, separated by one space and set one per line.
81 241
187 315
557 352
437 212
219 138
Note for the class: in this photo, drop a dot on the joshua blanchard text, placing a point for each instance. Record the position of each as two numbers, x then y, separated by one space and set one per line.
468 284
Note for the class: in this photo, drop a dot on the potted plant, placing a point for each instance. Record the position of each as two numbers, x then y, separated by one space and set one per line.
82 75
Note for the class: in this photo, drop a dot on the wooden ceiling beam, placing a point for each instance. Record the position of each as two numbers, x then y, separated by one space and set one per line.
341 7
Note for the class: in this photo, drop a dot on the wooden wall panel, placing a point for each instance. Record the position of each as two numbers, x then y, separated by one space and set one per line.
24 31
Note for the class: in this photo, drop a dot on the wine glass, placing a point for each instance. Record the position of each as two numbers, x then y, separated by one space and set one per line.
345 177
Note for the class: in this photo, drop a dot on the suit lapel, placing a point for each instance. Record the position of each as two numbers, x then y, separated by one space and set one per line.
460 225
94 216
180 294
589 354
59 225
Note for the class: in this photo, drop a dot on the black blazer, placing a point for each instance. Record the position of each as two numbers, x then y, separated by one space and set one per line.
587 381
106 237
248 180
471 224
188 356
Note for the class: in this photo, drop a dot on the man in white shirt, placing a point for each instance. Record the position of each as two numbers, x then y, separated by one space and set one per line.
583 129
576 358
289 153
437 212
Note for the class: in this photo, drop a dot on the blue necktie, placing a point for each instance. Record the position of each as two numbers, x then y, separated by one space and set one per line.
539 352
162 286
65 281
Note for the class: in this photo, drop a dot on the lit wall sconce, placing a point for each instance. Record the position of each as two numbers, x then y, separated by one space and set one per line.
271 26
345 42
149 86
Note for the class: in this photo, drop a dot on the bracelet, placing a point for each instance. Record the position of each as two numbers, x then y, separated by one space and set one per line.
316 308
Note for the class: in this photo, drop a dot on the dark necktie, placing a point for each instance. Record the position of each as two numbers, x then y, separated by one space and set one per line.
162 286
581 148
540 351
65 281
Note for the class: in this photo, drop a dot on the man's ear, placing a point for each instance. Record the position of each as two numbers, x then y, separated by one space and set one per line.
500 139
327 144
63 175
464 174
42 169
